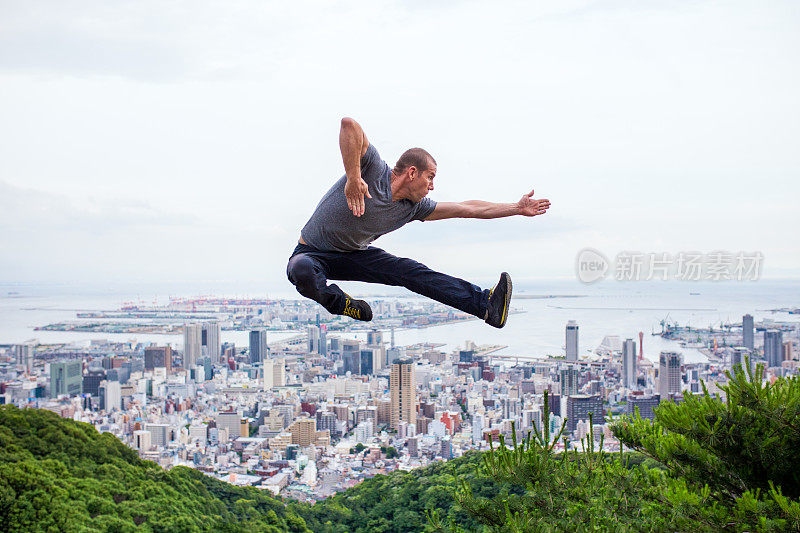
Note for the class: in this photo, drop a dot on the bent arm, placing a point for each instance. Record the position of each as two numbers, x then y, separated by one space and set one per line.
527 206
353 145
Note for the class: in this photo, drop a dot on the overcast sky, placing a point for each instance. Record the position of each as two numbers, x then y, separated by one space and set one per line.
158 141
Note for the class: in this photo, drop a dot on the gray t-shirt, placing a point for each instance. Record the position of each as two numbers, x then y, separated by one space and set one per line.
333 227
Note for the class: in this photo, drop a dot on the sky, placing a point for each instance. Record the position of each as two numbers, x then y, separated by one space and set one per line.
190 140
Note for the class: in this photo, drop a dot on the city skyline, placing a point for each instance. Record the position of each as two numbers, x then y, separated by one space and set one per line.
322 412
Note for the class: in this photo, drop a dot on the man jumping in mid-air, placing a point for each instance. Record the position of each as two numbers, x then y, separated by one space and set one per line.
371 200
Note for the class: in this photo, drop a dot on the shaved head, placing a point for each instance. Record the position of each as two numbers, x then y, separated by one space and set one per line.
414 157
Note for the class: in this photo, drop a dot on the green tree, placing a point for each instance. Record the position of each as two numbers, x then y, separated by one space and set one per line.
704 480
742 451
391 452
61 475
398 502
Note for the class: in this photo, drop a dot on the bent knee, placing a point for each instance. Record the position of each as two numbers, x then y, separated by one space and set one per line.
300 269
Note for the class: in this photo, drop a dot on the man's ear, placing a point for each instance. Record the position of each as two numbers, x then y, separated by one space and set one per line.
412 171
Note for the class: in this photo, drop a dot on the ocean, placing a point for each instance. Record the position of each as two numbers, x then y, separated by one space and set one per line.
536 329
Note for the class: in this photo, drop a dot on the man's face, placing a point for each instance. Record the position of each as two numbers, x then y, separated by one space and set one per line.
422 182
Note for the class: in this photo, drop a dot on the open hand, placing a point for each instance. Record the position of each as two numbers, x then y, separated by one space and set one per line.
354 190
530 208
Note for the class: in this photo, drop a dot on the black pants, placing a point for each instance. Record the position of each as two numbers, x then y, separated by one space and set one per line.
309 270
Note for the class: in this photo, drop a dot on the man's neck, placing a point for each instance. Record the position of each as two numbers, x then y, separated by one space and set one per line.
397 188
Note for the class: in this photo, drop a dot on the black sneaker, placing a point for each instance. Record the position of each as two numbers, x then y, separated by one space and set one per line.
499 300
358 309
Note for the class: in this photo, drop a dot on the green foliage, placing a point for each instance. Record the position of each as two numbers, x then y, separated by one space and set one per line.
743 451
390 451
590 490
358 448
400 501
60 475
596 490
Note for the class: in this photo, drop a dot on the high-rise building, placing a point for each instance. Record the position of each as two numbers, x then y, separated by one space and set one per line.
413 446
110 393
384 411
158 357
367 367
747 332
773 347
393 354
645 404
368 412
91 381
351 356
572 341
258 346
336 344
374 337
379 357
313 333
669 374
531 418
142 440
579 407
304 432
477 428
279 372
327 420
323 340
201 340
192 335
403 393
228 354
466 356
274 373
569 376
787 351
267 368
209 340
350 345
159 434
208 369
511 407
285 411
231 421
447 448
66 377
364 431
554 405
629 363
740 355
198 432
24 355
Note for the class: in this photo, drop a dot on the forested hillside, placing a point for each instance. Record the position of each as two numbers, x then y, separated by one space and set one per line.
60 475
400 501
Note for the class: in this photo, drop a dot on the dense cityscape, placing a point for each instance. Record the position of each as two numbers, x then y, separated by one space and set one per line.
317 411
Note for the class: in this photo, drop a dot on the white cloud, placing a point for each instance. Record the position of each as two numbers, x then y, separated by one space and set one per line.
32 210
646 124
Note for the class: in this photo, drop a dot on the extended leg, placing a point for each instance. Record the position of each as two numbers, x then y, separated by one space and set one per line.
374 265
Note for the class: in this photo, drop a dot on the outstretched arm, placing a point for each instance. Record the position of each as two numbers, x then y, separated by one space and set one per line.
527 206
353 145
